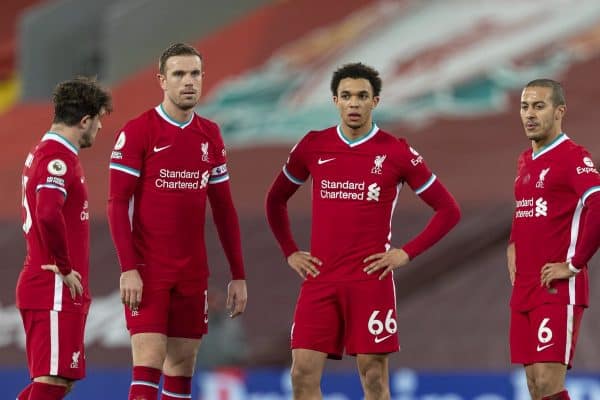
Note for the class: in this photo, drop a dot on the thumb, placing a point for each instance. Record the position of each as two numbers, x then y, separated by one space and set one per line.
50 267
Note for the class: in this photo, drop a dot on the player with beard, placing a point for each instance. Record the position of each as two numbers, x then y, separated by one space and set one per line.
52 292
555 232
347 300
164 165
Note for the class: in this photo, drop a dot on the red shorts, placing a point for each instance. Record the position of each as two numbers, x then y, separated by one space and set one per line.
359 316
172 304
54 343
547 333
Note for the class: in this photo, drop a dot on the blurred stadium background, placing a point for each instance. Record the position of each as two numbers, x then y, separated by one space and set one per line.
452 71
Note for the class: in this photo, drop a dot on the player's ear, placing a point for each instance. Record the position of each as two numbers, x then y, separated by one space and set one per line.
375 101
560 112
335 100
162 81
85 121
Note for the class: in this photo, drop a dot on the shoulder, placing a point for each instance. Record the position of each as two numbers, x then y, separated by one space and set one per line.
141 121
207 126
54 159
396 144
319 136
575 151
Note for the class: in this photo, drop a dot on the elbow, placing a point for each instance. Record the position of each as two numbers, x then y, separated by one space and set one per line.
47 217
455 214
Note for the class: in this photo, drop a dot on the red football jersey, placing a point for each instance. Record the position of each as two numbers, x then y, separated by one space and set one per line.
54 165
551 188
173 163
355 186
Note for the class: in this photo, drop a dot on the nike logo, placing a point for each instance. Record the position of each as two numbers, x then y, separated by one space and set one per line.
381 339
541 348
157 149
321 162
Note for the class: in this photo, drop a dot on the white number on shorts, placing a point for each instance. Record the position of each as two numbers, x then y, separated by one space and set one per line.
27 223
544 333
376 326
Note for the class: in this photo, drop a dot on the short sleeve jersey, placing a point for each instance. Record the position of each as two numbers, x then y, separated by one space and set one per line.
174 163
551 188
355 186
54 165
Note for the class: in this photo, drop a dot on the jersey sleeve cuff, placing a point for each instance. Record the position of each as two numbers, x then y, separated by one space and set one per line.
574 269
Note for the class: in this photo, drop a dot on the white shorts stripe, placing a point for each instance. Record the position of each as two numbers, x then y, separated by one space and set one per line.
58 292
54 351
569 341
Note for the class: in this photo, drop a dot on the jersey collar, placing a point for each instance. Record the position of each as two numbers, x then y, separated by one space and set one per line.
360 140
161 111
60 139
552 145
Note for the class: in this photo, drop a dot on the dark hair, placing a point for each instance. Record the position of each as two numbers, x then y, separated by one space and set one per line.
558 95
176 49
356 71
76 98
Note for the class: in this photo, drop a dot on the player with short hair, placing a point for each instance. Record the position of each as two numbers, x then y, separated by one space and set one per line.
347 300
164 165
52 291
555 232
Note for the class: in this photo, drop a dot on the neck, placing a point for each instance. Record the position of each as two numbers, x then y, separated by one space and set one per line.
175 112
67 132
355 133
540 144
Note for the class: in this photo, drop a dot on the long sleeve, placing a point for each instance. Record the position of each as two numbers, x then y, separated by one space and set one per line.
53 229
589 241
446 216
228 226
277 215
121 189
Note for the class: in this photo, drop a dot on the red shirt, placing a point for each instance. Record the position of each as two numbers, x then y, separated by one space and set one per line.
164 169
551 189
56 233
355 186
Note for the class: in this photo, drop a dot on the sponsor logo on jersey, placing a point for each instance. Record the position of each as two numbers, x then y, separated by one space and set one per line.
322 161
57 167
373 193
418 159
181 179
588 169
204 148
120 143
377 169
540 182
116 155
530 208
348 190
159 149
